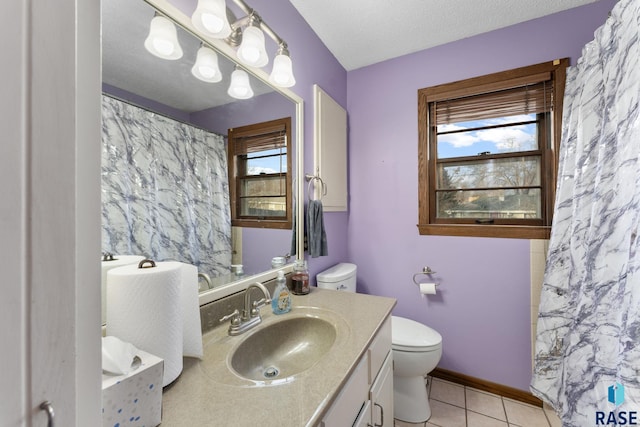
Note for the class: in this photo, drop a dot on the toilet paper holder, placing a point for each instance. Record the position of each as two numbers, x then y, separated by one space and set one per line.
426 271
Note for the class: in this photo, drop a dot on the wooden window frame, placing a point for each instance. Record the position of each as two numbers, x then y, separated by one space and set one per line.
235 175
427 225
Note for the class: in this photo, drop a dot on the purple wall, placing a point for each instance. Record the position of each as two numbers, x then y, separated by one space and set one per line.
312 64
259 245
258 109
147 103
482 308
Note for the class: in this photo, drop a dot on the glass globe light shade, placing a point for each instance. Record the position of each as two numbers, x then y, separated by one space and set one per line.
162 40
252 51
240 87
206 67
282 72
210 17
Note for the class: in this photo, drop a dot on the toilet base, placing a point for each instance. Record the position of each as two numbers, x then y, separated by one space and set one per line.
410 399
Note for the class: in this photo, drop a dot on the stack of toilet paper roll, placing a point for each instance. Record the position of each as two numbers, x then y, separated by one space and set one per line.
154 306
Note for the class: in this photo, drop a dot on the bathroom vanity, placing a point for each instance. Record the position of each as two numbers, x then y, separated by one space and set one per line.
367 397
245 380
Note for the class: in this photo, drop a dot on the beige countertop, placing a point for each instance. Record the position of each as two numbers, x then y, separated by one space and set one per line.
207 393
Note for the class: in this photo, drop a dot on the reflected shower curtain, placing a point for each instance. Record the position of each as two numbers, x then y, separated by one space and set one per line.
165 191
587 355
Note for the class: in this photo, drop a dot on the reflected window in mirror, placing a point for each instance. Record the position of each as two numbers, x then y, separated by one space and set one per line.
260 174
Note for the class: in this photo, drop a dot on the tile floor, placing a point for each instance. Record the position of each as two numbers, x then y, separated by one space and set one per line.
454 405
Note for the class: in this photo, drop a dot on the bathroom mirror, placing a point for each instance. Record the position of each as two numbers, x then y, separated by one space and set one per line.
138 87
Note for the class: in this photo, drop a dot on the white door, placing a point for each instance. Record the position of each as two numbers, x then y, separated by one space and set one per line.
12 215
50 212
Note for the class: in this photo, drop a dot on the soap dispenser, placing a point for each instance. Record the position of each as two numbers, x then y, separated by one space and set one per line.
281 301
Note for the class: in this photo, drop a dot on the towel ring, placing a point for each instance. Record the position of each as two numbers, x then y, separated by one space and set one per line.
427 271
311 179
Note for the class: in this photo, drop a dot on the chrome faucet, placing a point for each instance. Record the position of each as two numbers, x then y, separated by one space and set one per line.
250 314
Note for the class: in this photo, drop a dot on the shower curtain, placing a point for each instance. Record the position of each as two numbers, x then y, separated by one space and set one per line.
587 355
165 191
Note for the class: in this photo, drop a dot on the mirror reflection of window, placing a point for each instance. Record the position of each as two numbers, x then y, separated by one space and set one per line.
169 88
259 174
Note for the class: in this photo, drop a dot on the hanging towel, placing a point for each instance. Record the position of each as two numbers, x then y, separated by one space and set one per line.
316 236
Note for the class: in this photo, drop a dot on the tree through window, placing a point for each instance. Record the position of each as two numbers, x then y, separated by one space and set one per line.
260 180
487 153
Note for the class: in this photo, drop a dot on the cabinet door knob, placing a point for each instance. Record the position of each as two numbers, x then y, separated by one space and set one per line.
48 408
381 415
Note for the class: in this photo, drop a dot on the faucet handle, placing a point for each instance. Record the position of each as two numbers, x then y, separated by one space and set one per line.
235 318
261 302
255 306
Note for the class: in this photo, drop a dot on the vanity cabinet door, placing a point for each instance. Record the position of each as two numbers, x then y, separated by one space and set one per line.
364 419
349 402
363 401
379 350
382 396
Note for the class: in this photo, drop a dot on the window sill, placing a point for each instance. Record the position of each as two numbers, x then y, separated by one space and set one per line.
497 231
262 223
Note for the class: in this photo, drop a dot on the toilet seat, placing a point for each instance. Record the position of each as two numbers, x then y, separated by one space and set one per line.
411 336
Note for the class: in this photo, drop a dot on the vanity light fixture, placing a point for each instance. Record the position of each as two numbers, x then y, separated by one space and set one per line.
252 50
247 33
206 67
282 72
162 40
240 88
210 17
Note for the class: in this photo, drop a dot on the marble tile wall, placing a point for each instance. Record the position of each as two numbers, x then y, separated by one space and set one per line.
537 256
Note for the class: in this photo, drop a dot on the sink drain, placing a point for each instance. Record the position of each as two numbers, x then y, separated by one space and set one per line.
271 372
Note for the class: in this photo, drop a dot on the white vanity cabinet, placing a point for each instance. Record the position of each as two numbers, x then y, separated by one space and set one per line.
354 394
367 397
364 417
381 396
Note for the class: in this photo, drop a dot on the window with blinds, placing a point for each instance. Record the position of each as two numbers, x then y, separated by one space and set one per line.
487 153
260 185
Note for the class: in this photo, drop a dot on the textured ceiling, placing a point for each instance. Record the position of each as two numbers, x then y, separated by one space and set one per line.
364 32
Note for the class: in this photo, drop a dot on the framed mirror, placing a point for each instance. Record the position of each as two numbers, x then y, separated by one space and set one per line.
165 187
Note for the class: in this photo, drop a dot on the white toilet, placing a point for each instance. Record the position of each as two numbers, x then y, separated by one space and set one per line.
416 351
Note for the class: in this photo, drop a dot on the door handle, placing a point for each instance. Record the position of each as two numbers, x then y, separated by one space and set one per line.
381 415
48 408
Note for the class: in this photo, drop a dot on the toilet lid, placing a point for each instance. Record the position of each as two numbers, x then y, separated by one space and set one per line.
410 335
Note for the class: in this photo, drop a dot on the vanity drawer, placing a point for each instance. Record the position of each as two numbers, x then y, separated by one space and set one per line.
379 349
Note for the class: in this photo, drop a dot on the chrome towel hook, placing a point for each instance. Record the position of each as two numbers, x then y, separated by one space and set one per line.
311 179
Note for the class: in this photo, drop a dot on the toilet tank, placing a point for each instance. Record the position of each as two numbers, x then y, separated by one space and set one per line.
341 277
